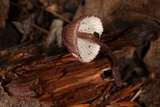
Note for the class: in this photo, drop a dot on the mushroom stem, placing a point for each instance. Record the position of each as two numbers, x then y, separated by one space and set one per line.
114 61
114 64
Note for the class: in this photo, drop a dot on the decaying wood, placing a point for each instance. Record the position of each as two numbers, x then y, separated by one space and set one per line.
56 78
64 81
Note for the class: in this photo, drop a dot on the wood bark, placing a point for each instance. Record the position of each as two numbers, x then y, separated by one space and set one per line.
59 79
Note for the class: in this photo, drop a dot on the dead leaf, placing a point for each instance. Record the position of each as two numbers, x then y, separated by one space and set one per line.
152 57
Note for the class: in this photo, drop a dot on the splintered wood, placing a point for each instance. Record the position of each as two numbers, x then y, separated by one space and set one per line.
60 79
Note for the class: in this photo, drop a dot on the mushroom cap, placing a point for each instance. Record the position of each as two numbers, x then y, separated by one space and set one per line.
84 49
91 24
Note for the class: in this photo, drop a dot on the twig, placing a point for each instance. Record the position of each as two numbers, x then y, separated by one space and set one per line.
102 97
137 94
39 28
58 15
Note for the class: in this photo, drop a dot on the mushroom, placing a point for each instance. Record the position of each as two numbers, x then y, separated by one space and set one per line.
76 40
79 38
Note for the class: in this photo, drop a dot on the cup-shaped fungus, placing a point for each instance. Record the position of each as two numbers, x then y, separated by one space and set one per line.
76 37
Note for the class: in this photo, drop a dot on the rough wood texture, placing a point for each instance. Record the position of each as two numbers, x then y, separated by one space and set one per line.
57 78
63 80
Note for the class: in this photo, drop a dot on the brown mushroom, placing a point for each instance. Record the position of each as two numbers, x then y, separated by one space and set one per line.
79 45
79 38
